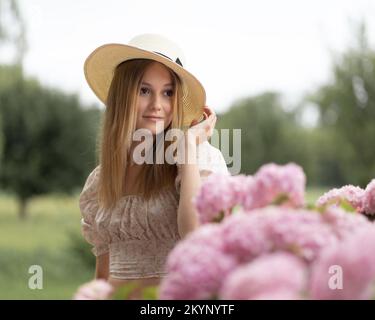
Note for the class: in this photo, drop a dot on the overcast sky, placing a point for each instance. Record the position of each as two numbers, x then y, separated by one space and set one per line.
236 48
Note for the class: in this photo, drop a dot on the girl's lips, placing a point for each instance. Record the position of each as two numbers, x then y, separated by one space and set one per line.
153 118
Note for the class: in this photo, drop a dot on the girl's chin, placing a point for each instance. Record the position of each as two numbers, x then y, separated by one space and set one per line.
153 129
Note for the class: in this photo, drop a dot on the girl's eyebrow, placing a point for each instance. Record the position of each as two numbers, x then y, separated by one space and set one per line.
166 85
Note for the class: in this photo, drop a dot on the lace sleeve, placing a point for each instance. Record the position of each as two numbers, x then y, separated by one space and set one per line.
89 207
209 160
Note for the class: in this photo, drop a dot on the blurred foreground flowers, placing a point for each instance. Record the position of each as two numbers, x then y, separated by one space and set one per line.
259 240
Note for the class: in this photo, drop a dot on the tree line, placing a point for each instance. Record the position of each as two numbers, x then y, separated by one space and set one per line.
49 139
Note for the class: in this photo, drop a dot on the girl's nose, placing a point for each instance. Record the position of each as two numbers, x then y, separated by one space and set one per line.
156 104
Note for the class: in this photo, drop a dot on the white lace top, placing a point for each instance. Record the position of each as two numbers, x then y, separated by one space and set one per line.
139 233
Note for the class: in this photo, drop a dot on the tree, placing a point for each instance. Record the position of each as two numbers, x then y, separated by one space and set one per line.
347 108
268 133
49 139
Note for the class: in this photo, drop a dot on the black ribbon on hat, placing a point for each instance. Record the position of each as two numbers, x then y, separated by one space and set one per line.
178 61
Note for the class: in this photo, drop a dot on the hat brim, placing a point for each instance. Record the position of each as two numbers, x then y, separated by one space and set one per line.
100 65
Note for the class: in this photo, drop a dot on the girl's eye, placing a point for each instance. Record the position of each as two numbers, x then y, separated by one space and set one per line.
144 90
169 93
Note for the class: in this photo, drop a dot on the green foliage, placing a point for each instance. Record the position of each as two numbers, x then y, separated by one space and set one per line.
125 291
49 138
347 206
268 133
80 249
339 150
1 141
347 111
150 293
44 240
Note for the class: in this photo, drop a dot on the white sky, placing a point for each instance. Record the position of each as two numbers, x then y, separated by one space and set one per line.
236 48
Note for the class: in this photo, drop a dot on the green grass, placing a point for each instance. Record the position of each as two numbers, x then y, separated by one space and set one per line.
45 238
46 224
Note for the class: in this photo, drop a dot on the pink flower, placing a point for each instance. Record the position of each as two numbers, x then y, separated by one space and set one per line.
273 182
197 265
243 192
275 276
299 231
278 294
346 270
249 234
344 224
245 236
349 193
195 272
214 197
94 290
369 199
220 193
208 235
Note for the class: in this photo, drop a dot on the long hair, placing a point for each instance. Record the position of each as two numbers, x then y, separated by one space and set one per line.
118 126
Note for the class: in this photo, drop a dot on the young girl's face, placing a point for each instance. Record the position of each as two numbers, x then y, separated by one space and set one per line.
155 99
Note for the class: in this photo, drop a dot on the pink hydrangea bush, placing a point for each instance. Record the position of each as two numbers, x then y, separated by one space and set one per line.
259 241
197 266
201 268
342 223
252 233
369 199
280 182
347 269
271 184
214 199
244 236
94 290
267 277
299 231
273 247
336 196
363 201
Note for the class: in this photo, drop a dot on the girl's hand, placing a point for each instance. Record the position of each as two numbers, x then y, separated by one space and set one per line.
203 130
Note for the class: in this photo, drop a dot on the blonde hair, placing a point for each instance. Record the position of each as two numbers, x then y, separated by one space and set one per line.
118 126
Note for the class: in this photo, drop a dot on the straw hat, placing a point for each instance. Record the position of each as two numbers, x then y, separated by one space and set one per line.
100 65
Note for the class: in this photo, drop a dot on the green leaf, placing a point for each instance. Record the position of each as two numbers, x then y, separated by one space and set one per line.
219 217
346 205
150 293
311 206
123 292
236 209
280 199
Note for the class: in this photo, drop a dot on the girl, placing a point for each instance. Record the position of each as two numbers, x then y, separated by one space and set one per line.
133 213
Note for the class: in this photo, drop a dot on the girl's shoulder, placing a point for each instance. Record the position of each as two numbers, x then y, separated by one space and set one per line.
94 174
89 190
